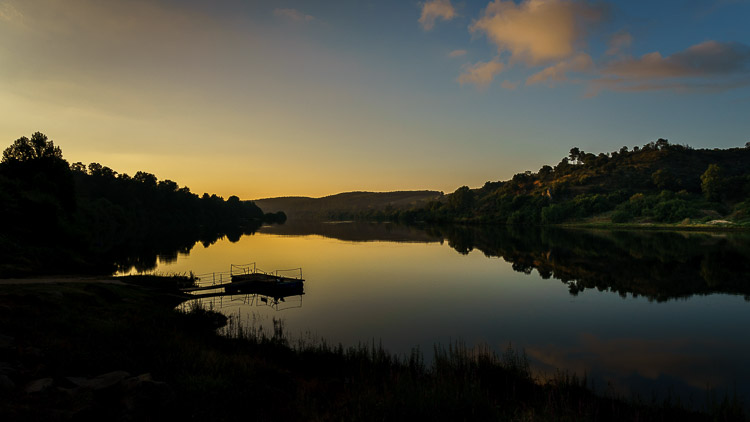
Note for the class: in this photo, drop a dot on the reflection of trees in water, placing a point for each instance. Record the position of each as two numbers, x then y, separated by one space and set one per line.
655 264
143 255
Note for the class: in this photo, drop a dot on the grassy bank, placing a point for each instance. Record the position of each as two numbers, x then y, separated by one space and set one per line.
121 352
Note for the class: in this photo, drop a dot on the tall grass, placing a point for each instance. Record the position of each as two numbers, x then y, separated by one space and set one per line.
458 383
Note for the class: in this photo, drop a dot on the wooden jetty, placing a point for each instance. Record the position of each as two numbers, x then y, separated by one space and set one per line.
247 279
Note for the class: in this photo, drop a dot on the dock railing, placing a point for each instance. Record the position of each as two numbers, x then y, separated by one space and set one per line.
221 277
214 278
290 273
237 269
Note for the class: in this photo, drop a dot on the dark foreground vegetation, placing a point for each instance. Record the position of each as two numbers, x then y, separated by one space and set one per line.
121 352
58 217
658 183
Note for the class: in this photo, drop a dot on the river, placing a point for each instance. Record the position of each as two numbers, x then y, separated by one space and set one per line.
639 313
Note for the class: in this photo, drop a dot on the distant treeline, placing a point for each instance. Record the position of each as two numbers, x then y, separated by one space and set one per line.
58 217
345 205
659 182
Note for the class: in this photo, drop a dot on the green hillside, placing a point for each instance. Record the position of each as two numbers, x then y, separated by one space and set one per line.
657 183
345 205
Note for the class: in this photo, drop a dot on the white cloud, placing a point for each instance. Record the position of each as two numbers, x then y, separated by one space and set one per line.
480 74
436 9
536 32
293 14
457 53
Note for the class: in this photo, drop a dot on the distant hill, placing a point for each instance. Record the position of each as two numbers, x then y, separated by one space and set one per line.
344 205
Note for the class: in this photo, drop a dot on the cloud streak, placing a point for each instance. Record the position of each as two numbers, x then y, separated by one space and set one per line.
619 42
9 13
710 58
581 62
710 65
480 74
433 10
293 15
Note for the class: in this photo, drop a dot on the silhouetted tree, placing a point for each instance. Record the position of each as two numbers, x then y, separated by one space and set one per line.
78 167
545 172
575 154
25 149
98 170
147 179
38 166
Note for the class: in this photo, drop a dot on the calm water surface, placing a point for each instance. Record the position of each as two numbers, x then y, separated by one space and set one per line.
645 313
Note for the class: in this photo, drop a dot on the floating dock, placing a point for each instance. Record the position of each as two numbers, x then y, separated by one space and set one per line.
248 279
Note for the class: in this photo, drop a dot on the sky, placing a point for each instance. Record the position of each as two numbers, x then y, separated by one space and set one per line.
284 98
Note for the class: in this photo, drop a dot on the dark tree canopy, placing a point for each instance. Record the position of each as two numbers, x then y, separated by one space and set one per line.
25 149
59 217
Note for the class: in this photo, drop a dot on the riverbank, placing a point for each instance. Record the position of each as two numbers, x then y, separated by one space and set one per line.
93 350
692 227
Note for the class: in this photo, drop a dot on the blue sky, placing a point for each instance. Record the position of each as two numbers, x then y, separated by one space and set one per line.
312 98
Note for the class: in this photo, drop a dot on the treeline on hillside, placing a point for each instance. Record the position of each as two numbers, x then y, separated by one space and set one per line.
59 218
659 182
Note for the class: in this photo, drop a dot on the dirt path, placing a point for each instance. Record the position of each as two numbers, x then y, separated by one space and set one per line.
59 280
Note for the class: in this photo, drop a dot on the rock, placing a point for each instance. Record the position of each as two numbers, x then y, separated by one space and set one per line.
135 382
32 352
6 384
77 381
39 386
144 395
719 223
101 382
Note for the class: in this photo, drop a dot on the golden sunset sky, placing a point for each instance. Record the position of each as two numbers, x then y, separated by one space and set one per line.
278 98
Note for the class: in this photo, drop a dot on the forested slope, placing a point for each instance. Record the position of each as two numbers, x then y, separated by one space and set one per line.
656 183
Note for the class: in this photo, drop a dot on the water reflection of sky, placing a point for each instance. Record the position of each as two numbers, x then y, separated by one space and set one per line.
407 295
